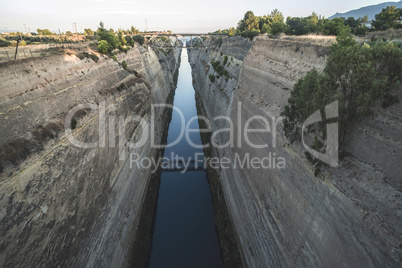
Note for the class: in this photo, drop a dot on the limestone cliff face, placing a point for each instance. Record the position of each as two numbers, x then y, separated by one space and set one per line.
62 205
349 215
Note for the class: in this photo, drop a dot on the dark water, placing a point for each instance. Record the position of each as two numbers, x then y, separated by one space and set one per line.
184 234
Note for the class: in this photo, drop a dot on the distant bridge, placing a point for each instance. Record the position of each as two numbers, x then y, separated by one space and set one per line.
181 34
191 165
166 40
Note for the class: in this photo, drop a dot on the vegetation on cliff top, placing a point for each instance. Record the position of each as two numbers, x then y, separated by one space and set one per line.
357 76
275 23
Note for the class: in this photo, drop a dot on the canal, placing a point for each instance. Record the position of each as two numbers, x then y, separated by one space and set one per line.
184 231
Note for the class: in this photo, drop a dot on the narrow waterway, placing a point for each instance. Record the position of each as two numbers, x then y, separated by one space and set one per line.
184 232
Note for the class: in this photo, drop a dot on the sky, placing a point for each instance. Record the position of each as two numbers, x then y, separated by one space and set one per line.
177 15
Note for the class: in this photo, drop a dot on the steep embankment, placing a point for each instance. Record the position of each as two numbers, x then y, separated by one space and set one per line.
63 205
349 215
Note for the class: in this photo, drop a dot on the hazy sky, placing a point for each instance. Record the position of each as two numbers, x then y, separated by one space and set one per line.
176 15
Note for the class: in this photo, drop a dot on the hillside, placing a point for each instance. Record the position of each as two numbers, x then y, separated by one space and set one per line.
371 11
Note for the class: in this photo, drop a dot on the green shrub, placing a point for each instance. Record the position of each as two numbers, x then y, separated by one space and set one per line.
94 57
121 87
103 46
277 28
139 39
225 60
216 65
4 43
361 30
220 41
84 55
212 78
73 123
250 34
124 64
129 40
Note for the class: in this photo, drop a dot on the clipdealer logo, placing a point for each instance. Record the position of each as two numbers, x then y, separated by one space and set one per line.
109 125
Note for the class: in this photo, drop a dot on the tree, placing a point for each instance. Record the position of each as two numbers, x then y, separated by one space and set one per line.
232 31
134 30
139 39
352 22
88 32
103 46
277 28
249 22
334 26
124 65
296 26
361 30
386 18
278 25
68 33
265 28
112 40
122 40
277 16
44 32
129 40
365 19
300 26
356 75
313 23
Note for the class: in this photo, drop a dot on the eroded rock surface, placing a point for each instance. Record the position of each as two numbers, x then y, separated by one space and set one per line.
62 205
349 215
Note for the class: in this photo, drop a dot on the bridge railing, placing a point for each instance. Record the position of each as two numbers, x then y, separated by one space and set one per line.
166 40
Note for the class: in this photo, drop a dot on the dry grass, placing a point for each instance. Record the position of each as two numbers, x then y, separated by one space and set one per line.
322 40
325 40
390 34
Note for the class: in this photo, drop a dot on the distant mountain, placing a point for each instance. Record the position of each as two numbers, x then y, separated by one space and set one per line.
6 31
371 11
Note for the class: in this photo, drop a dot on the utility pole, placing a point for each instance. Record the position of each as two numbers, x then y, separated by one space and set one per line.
25 28
61 38
16 49
146 25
